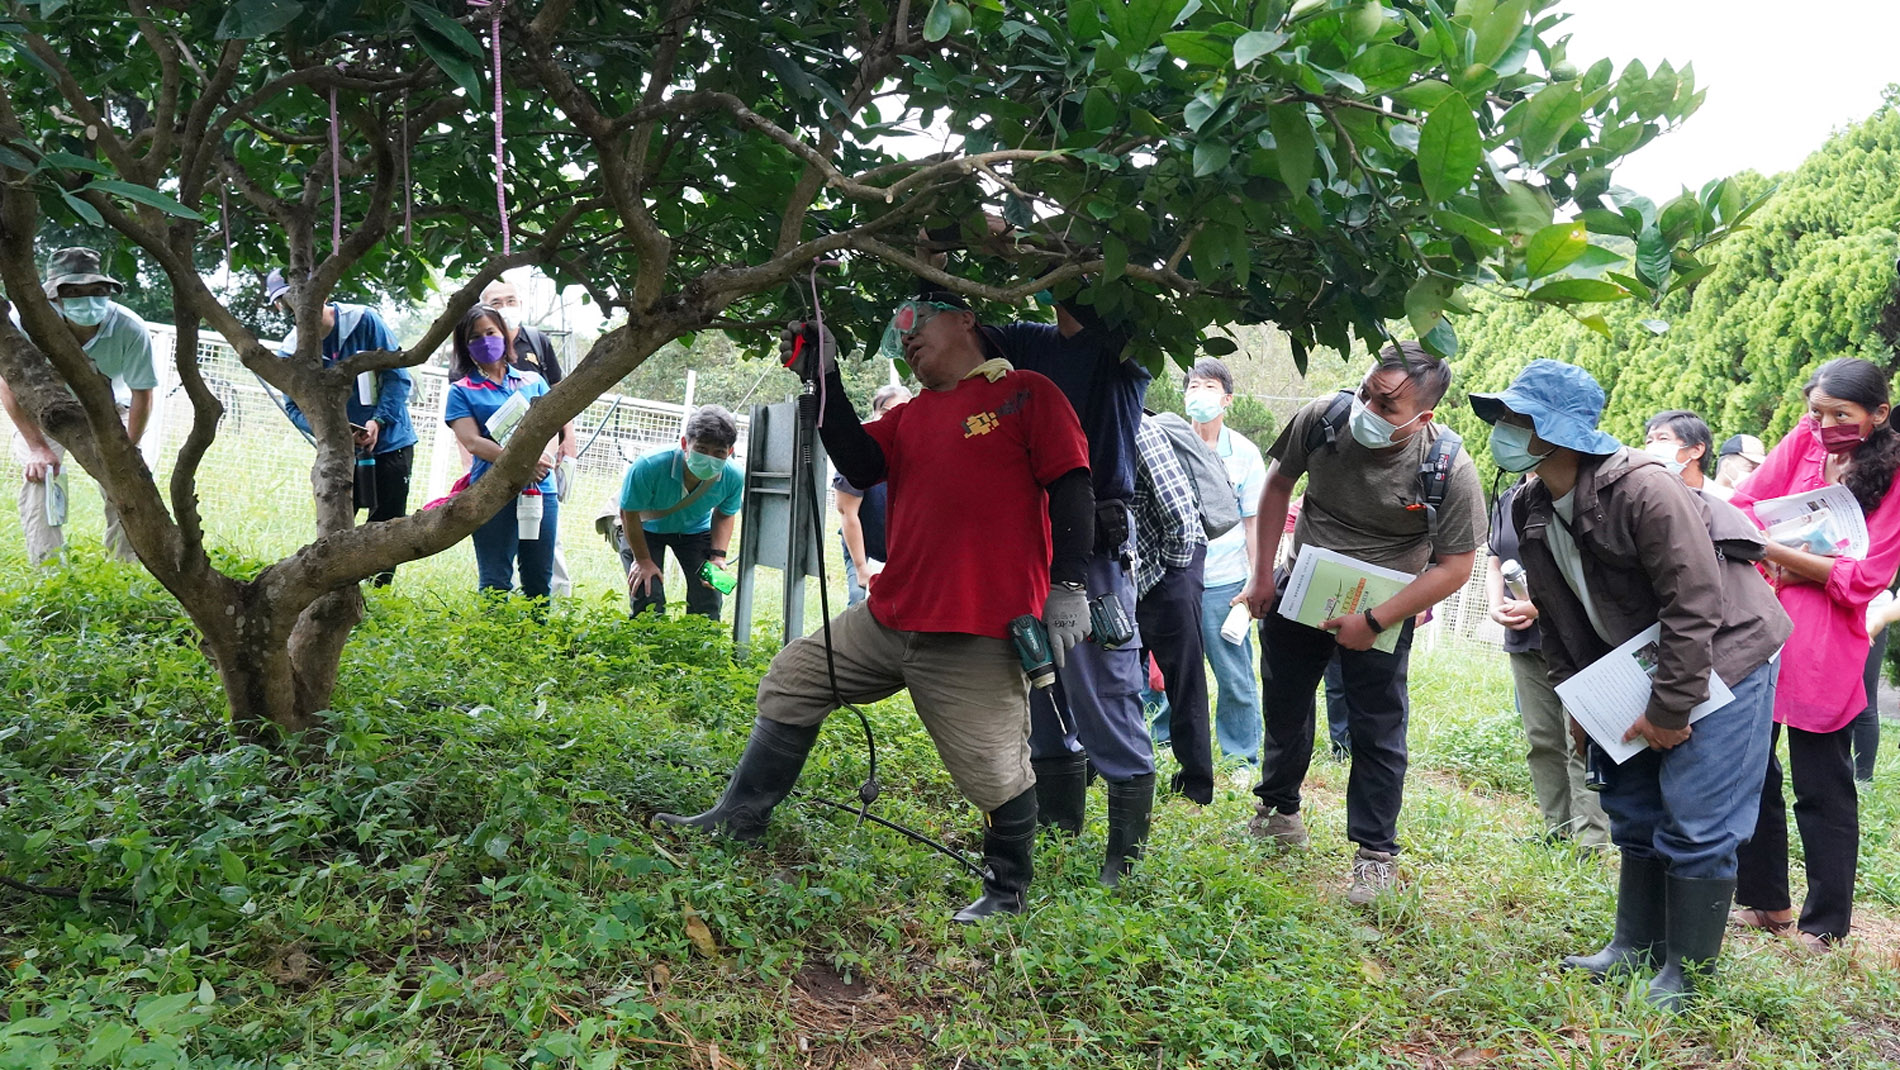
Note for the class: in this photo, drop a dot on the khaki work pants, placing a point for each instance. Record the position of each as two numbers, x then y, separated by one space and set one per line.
969 690
45 540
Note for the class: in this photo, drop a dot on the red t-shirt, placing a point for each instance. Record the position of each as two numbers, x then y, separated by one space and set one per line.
968 522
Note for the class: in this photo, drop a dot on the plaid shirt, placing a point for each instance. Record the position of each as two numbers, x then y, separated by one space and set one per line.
1167 511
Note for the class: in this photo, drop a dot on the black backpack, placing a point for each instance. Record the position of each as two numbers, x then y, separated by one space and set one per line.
1434 472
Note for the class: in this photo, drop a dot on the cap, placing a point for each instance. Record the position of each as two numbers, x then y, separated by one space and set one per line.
76 266
1747 447
275 286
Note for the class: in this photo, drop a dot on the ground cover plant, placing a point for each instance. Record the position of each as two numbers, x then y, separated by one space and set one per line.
462 876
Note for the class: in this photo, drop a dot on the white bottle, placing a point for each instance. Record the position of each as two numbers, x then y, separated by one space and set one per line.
1234 628
528 517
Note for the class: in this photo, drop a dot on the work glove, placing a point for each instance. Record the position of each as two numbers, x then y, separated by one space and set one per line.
1065 616
813 360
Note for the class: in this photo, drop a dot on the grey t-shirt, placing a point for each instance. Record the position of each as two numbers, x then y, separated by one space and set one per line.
1366 503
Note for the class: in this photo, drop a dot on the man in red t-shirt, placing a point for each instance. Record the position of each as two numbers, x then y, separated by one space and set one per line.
991 517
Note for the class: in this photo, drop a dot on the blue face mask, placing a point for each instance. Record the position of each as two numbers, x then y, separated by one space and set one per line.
1202 406
85 311
704 467
1511 448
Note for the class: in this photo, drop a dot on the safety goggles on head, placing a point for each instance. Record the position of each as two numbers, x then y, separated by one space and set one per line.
910 317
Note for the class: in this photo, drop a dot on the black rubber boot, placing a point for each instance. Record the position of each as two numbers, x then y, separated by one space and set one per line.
1062 787
767 770
1698 917
1009 846
1130 803
1640 926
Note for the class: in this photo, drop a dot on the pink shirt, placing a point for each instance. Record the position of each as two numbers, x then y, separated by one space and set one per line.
1821 667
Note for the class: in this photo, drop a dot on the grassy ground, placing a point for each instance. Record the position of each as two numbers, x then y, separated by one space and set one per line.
464 878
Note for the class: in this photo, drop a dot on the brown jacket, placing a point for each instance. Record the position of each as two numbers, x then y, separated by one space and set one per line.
1653 550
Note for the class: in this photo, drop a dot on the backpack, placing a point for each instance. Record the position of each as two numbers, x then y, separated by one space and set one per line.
1434 472
1219 502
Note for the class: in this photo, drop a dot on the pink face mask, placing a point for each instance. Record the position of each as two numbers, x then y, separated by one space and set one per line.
1841 438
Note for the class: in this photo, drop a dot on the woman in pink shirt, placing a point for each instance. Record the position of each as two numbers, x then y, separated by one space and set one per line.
1845 438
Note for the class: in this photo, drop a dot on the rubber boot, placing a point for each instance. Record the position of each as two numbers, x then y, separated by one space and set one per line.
773 758
1640 927
1130 803
1009 844
1697 920
1061 791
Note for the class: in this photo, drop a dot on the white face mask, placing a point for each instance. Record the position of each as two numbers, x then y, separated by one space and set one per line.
1371 430
511 315
1666 453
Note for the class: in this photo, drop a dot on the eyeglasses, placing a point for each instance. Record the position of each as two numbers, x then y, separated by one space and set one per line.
910 317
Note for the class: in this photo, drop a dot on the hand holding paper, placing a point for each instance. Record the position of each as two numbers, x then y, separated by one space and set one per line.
1610 698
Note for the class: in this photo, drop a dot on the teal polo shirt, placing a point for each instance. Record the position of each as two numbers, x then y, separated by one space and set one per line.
658 481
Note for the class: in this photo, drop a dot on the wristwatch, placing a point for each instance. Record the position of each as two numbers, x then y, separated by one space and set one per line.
1373 623
717 555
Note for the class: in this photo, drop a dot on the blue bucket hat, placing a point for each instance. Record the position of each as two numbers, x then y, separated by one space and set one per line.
1562 401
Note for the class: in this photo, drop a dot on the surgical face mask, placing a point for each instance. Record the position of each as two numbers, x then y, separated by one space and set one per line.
510 315
1841 438
1511 448
1202 406
1666 453
703 466
1371 430
487 348
85 311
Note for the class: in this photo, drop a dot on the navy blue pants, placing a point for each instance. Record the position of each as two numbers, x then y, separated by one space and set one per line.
1096 703
498 545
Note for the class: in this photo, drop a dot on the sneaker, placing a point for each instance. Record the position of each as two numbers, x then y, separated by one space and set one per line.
1371 876
1270 824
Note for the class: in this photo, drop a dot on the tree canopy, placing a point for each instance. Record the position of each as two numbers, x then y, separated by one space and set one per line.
1330 166
1813 278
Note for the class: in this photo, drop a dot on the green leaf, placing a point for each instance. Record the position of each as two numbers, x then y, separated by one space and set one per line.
1470 229
1449 149
1595 261
1114 257
451 31
1498 30
1198 46
83 210
1441 341
1211 156
1219 346
1200 110
1547 117
145 195
1519 209
1142 22
1554 248
66 161
1597 323
1383 67
10 158
153 1013
1251 46
1578 291
937 23
1652 257
1294 145
451 61
1603 221
247 20
1425 302
1098 110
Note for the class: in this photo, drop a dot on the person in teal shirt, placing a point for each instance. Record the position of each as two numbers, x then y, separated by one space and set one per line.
682 500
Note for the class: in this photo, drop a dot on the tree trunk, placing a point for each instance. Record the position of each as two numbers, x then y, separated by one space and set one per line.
279 667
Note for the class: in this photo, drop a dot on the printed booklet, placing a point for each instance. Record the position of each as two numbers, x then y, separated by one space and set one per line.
1326 584
1609 694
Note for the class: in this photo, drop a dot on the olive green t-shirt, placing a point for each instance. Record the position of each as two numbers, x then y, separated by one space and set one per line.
1366 503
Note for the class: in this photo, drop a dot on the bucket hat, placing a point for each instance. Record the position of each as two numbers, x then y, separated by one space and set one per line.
1562 401
76 266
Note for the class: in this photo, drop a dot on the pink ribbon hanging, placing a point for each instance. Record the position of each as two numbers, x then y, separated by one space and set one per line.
408 201
336 180
501 163
224 223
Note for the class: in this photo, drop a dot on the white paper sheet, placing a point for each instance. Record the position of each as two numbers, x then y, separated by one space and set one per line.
1840 503
1613 691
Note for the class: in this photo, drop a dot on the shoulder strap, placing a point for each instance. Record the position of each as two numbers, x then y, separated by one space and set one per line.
1434 475
697 493
1325 430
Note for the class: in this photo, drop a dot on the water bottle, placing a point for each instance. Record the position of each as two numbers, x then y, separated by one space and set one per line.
1514 579
1234 628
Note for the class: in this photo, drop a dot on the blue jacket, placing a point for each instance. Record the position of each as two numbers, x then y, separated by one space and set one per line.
360 330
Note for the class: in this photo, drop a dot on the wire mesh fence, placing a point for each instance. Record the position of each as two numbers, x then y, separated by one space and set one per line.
255 491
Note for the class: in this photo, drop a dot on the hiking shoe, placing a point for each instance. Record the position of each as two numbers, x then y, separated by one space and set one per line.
1269 824
1371 876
